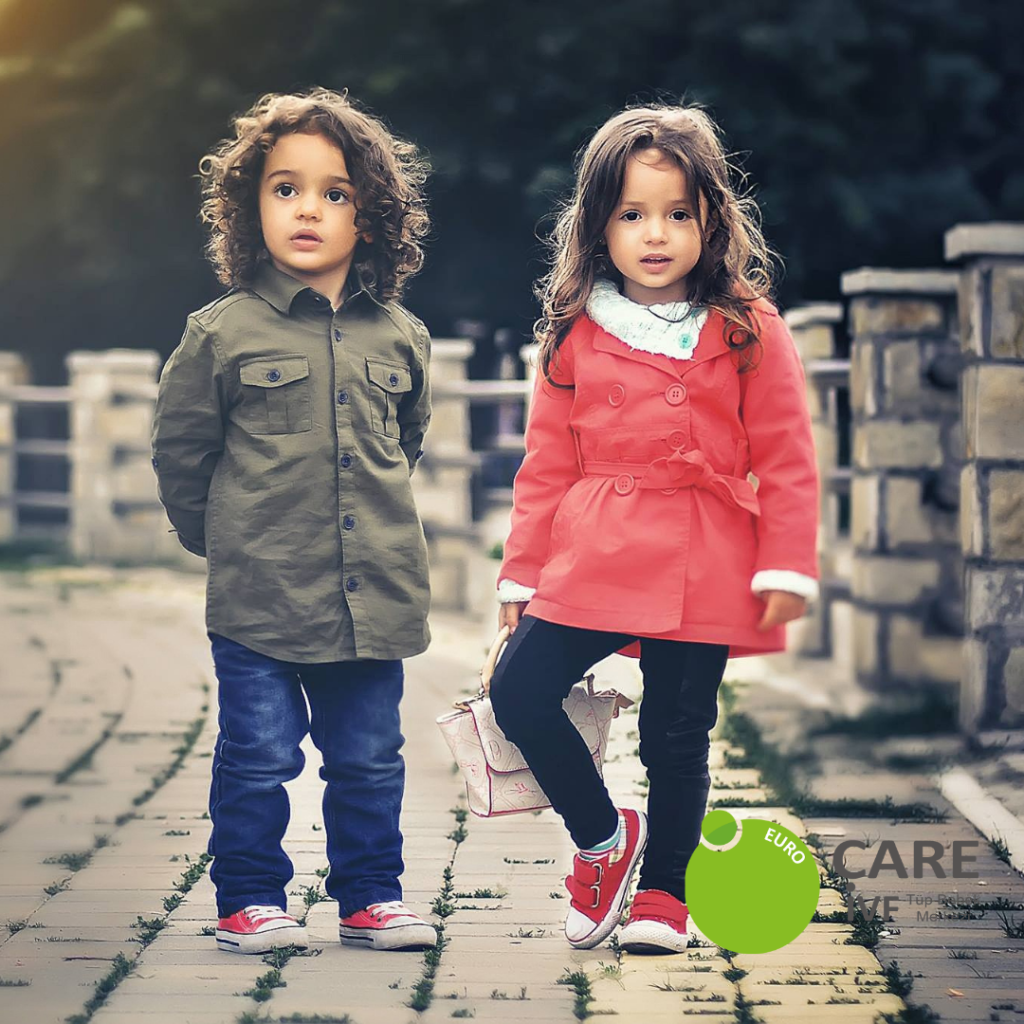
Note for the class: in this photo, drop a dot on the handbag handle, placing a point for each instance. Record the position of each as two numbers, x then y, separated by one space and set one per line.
492 659
495 653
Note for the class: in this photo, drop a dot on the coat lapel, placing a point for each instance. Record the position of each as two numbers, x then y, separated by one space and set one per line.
710 344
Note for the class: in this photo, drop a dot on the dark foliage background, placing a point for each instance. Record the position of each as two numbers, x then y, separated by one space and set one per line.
867 128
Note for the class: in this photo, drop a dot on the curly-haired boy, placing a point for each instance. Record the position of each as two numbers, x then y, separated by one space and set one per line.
289 421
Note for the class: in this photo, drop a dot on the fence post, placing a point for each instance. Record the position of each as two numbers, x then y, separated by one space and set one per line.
13 371
815 329
907 445
443 482
115 513
992 482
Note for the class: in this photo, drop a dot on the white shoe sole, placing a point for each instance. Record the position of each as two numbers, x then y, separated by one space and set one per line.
401 937
264 941
651 937
610 921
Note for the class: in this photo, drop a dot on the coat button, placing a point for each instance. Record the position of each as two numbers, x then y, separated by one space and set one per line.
273 375
624 483
617 394
675 394
677 439
348 522
346 461
337 334
342 397
393 380
352 584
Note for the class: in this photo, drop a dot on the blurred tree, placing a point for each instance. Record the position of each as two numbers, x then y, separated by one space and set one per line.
867 126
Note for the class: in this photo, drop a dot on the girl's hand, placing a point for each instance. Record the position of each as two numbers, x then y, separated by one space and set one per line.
780 606
510 614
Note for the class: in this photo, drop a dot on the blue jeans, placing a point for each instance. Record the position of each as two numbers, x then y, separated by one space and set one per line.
354 722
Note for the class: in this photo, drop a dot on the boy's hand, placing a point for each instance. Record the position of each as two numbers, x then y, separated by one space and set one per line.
780 606
510 613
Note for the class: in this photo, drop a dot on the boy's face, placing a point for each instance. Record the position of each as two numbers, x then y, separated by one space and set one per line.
308 211
652 235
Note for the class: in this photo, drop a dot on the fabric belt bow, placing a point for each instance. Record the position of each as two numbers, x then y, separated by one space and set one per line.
680 469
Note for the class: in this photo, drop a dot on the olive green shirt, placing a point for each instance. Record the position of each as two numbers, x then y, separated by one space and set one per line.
284 438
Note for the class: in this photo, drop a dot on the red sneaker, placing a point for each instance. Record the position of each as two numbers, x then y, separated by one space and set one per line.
599 887
390 925
258 929
657 924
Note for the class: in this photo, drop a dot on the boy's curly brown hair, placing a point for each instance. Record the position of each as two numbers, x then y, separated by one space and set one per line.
387 172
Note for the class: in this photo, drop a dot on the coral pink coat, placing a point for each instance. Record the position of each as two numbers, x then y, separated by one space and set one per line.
633 508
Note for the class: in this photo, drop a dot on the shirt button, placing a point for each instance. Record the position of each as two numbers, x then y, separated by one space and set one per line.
675 394
342 397
617 394
337 334
393 380
624 483
352 584
273 375
348 522
677 439
346 461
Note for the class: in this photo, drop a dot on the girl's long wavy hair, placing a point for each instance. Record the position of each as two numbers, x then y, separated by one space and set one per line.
387 174
734 269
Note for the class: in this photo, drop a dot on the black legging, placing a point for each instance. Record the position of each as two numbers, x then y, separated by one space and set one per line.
680 707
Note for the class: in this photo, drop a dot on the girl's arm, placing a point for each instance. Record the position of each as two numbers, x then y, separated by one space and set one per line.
778 424
549 469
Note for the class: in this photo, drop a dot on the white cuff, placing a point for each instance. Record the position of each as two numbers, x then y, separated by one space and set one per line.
787 580
510 592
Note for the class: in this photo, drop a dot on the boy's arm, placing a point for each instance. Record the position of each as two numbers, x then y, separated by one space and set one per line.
188 433
414 412
777 421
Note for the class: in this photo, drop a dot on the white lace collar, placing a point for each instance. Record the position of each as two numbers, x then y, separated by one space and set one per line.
642 327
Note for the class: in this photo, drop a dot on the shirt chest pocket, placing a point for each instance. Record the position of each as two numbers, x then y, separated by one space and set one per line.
387 382
276 395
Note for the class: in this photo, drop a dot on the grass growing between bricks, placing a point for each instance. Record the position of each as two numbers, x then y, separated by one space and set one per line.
776 769
579 982
442 907
147 931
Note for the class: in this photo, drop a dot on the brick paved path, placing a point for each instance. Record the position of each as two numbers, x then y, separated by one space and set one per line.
108 723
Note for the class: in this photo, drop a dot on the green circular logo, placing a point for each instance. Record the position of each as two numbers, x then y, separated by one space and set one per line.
754 893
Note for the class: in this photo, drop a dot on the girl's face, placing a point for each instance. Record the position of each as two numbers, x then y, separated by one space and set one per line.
652 235
308 211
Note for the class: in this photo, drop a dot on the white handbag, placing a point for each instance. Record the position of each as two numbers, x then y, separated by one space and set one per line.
498 780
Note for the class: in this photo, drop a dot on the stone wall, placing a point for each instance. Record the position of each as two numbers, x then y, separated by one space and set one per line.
907 567
992 482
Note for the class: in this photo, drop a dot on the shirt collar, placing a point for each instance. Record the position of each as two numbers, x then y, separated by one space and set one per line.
280 289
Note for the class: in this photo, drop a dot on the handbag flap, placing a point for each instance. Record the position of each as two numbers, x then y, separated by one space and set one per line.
590 713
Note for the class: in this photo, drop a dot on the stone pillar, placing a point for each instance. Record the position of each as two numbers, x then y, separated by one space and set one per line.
13 371
814 328
443 481
907 566
115 513
992 483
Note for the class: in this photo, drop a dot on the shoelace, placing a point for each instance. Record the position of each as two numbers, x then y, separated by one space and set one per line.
262 913
380 910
